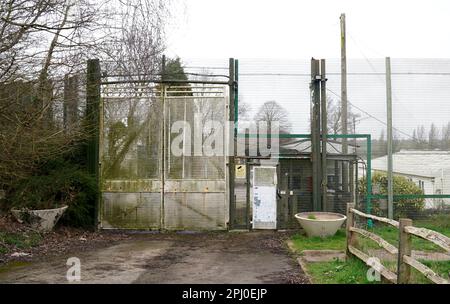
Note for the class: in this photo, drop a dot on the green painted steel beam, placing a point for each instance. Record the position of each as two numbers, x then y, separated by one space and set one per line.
348 136
252 135
410 196
367 137
294 135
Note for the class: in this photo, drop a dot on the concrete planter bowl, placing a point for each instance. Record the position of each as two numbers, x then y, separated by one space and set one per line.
320 224
43 220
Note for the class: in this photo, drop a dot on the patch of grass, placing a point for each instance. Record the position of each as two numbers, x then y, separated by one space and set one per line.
441 268
312 217
439 221
352 271
390 234
18 240
335 242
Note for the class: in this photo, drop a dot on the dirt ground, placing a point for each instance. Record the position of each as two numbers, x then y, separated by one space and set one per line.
46 245
226 257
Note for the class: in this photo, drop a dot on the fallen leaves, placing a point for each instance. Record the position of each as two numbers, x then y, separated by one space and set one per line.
60 241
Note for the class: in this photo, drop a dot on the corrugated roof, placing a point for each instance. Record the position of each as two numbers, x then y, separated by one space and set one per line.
414 162
304 146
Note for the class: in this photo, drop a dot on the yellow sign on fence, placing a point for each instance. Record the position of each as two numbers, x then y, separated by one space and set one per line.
240 171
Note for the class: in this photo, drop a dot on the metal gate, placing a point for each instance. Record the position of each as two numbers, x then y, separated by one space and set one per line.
152 176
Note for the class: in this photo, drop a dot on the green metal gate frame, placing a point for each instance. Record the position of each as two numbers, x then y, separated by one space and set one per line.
367 137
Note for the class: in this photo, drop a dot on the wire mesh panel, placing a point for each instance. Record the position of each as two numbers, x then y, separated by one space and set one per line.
195 191
191 210
130 156
162 156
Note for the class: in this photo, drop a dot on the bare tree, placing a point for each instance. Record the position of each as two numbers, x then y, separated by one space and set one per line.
433 137
43 40
136 41
244 109
334 117
270 112
446 137
421 137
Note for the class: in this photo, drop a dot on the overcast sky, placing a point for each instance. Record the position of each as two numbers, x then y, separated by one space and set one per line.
302 29
281 36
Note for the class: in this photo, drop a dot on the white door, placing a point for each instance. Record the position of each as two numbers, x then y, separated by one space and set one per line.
264 198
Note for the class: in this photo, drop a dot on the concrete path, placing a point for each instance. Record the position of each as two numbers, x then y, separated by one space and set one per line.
255 257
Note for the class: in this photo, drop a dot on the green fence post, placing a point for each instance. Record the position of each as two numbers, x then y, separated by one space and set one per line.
92 120
369 179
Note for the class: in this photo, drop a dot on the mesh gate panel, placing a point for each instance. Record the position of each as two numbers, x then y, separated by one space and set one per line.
133 144
194 194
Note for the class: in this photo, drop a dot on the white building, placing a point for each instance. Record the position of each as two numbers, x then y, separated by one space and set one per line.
430 170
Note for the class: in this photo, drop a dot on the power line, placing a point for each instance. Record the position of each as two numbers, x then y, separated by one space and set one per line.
349 73
368 114
382 80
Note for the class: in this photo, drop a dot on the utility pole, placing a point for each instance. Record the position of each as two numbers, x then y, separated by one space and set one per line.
323 113
389 138
344 102
315 134
232 142
163 142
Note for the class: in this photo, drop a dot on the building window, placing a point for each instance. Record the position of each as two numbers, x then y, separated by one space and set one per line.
422 185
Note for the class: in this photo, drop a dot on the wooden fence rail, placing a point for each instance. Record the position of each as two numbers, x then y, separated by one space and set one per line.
405 261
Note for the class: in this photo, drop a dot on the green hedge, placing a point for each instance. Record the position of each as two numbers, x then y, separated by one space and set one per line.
401 185
56 184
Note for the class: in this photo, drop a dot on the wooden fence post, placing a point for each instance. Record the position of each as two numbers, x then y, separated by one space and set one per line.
404 248
350 223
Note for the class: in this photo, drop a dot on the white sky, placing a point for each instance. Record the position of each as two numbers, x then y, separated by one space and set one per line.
281 36
302 29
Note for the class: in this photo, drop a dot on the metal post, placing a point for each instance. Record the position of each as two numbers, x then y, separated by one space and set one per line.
231 160
344 102
354 168
163 140
323 112
355 190
247 194
389 139
369 178
92 122
315 134
236 95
